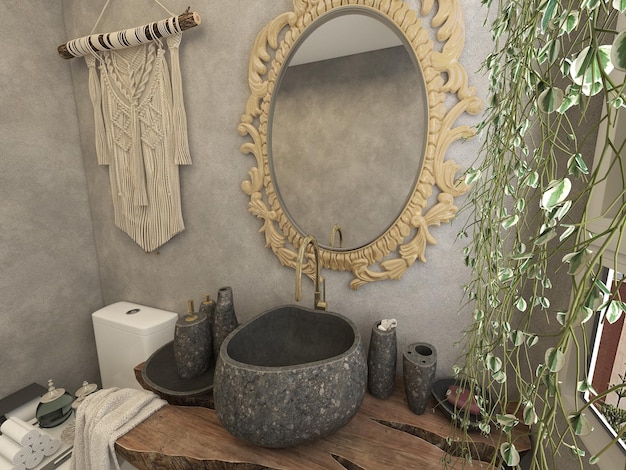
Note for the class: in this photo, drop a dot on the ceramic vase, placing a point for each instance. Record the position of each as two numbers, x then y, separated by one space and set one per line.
381 361
225 319
419 364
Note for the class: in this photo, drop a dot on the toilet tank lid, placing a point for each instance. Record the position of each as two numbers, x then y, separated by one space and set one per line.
134 318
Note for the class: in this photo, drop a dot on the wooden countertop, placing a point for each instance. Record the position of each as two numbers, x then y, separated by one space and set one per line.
384 434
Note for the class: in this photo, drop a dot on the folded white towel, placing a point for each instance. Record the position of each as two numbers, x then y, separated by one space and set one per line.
104 416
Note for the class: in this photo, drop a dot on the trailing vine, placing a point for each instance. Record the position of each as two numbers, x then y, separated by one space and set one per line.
529 221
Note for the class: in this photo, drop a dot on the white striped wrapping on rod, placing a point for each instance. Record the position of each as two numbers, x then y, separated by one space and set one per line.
130 37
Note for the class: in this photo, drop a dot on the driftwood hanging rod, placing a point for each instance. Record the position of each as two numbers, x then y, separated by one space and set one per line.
129 37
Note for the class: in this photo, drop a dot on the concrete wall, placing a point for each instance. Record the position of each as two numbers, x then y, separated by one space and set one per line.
221 244
49 281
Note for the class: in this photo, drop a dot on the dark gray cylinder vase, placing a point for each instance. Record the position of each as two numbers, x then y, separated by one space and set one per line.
381 362
207 306
192 345
419 364
225 319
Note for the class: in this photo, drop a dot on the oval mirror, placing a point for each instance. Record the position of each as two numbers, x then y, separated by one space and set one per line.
347 128
373 165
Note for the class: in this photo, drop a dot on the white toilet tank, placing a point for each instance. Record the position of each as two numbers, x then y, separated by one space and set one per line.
126 335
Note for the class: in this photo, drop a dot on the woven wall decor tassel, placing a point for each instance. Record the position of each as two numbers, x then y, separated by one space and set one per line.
141 140
140 122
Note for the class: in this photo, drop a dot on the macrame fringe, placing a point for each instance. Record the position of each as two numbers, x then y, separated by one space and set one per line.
135 100
181 154
102 153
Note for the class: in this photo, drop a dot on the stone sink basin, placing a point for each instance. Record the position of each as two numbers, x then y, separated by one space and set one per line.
290 376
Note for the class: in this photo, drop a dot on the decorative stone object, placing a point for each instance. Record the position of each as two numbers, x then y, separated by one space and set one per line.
290 376
192 343
207 306
225 320
381 359
419 364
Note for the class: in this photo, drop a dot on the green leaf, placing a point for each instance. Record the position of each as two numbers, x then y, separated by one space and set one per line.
532 180
576 166
472 175
570 21
580 424
569 229
532 340
505 274
577 261
614 311
521 304
563 210
619 5
507 421
602 286
575 450
594 459
548 14
550 99
494 363
545 236
555 359
499 377
618 51
551 384
509 454
510 221
583 314
586 68
529 414
556 193
561 317
572 97
517 337
585 386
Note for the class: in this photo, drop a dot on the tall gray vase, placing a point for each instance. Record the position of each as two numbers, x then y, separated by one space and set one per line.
419 364
381 362
192 344
225 319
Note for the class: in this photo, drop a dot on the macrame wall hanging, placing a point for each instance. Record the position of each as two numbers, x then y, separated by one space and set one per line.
140 122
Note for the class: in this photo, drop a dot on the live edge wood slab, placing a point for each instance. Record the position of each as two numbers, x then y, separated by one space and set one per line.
384 434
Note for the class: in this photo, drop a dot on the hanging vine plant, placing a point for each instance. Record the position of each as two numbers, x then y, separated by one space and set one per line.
529 220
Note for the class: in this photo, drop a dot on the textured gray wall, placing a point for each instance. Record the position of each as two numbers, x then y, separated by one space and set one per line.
56 199
49 282
221 244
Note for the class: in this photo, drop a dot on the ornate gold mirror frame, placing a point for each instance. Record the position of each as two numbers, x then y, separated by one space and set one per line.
405 241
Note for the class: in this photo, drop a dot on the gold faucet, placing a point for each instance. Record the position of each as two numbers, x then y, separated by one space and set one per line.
319 301
336 230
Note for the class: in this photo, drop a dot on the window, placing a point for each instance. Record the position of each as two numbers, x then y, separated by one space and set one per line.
607 365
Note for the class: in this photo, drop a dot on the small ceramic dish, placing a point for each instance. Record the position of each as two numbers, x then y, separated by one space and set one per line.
440 392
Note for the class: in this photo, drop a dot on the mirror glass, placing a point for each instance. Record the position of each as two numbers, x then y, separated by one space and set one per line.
347 128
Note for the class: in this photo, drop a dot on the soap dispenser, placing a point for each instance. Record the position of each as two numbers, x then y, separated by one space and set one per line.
192 343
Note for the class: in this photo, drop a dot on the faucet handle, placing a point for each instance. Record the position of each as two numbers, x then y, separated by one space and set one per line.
320 298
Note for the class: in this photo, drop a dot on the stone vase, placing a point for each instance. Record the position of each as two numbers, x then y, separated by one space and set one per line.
381 362
192 345
419 364
225 319
207 306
